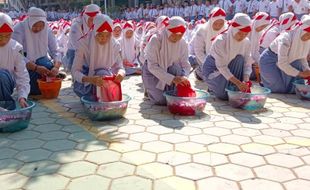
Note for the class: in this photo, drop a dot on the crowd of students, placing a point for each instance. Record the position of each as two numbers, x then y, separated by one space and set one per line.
221 52
192 10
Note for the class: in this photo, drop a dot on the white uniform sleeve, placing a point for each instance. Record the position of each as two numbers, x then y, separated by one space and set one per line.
247 68
21 76
199 47
184 59
283 53
78 62
53 47
118 65
152 55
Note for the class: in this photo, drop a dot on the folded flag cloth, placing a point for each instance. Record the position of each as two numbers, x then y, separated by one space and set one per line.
185 91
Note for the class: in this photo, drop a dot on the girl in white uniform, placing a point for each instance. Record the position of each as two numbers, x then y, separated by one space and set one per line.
229 62
97 56
286 59
13 72
167 61
203 39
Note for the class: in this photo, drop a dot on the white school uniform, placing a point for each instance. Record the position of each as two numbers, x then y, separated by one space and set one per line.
226 5
300 8
263 6
240 6
274 9
284 5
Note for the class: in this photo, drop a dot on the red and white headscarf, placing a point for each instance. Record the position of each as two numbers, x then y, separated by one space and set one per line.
287 21
128 45
6 23
90 11
161 22
117 23
176 25
98 53
216 14
259 19
240 22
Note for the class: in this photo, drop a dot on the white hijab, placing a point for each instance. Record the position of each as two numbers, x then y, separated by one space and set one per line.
5 51
36 43
101 56
260 19
232 47
169 52
207 29
299 49
128 45
92 8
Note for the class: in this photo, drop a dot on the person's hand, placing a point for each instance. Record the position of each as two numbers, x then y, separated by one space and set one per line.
304 74
43 71
243 87
97 81
23 103
119 78
179 80
54 72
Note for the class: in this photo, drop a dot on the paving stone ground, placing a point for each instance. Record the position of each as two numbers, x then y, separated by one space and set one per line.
150 149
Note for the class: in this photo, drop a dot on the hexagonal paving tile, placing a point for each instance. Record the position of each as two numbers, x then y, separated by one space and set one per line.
22 135
66 156
223 148
235 139
155 170
59 145
189 131
246 159
234 172
284 160
131 182
33 155
9 166
193 171
269 140
246 132
91 182
173 183
209 158
157 146
27 144
227 124
260 184
81 136
190 147
143 137
174 158
39 168
258 149
172 123
216 183
274 173
103 156
12 181
92 146
54 135
130 129
47 128
125 146
297 184
159 130
204 139
42 121
173 138
47 182
301 141
116 170
7 153
77 169
138 157
303 172
216 131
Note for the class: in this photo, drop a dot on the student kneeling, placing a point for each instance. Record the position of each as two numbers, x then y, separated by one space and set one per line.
286 59
13 71
167 61
97 56
229 60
